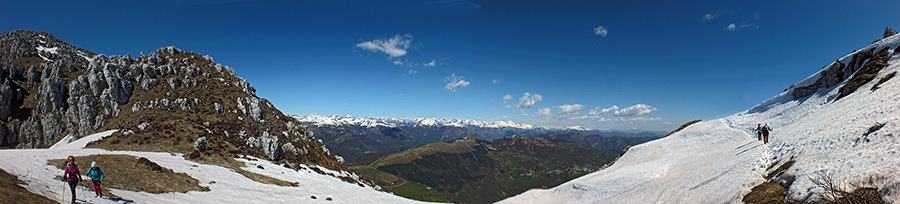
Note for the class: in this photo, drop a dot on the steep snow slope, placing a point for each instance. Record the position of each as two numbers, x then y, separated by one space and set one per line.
30 165
719 161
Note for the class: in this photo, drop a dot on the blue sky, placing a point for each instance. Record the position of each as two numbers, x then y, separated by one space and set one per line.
652 65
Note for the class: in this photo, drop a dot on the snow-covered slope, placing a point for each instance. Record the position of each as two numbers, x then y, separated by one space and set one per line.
30 165
719 161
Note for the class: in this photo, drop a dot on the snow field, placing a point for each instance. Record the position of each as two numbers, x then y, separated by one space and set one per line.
30 165
719 161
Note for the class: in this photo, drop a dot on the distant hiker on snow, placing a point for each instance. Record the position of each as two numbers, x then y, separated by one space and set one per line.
759 132
96 176
72 175
765 131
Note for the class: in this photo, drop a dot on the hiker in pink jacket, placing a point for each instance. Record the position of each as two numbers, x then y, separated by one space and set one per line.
72 175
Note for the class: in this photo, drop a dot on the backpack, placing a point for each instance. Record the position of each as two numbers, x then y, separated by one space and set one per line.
71 171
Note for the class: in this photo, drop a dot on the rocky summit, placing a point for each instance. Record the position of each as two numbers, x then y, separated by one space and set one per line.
165 101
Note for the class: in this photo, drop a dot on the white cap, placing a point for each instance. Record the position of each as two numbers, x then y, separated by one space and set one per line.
93 164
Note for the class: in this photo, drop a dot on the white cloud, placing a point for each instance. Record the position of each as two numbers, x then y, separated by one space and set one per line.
601 31
638 119
598 112
737 27
430 64
506 99
395 46
713 16
636 110
709 17
413 71
495 81
504 117
570 109
398 62
400 94
455 82
544 112
528 100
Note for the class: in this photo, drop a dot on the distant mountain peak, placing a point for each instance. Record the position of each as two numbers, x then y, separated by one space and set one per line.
390 122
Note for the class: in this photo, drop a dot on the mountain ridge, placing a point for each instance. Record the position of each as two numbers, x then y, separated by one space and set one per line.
167 100
361 140
470 170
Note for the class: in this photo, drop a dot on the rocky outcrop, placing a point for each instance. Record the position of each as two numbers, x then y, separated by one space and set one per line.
269 145
834 74
200 144
50 89
867 72
888 32
6 98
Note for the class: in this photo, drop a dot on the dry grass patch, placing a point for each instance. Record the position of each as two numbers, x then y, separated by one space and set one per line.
454 147
835 193
135 174
770 191
10 191
874 128
265 179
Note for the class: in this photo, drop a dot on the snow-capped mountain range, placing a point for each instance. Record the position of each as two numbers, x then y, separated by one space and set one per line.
339 120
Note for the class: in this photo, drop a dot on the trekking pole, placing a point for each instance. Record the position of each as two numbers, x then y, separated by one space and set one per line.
63 198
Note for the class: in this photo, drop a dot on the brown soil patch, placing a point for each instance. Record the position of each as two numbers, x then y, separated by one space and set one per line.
768 192
10 191
27 62
134 174
265 179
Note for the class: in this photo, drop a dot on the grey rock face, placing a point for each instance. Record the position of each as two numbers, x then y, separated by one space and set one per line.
148 84
30 133
52 129
16 73
288 147
33 77
183 103
120 90
174 83
269 145
190 82
51 97
98 84
241 107
149 70
135 72
6 96
5 137
255 111
79 86
200 144
136 106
